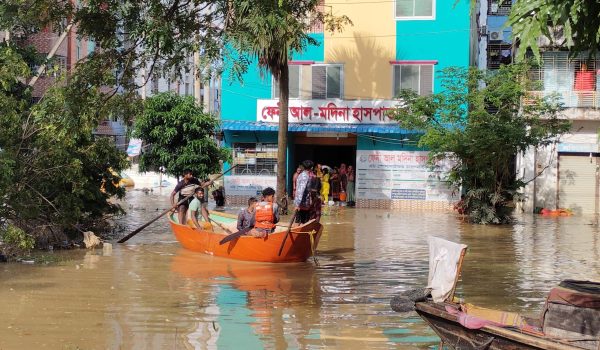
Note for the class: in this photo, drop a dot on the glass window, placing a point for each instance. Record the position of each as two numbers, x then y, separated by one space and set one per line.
327 82
294 83
334 88
416 77
415 8
255 158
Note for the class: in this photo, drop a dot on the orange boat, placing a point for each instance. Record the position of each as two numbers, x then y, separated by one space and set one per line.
299 246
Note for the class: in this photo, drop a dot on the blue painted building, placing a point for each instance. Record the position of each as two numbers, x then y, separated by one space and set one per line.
340 91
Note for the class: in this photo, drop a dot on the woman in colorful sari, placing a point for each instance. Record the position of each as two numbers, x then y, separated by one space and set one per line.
325 186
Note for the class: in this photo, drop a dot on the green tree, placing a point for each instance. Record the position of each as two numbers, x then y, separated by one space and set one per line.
57 178
269 31
480 122
179 136
566 23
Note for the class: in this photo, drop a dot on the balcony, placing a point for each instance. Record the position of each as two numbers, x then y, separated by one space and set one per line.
573 99
576 80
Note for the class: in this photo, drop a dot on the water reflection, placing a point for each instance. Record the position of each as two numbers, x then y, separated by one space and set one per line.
152 294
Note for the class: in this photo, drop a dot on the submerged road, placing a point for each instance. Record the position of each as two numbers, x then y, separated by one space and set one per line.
151 294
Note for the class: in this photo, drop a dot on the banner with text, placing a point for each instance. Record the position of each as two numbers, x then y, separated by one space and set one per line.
248 185
401 175
328 111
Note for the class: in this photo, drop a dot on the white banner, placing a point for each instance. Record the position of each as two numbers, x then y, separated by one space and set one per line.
401 175
248 185
328 111
134 148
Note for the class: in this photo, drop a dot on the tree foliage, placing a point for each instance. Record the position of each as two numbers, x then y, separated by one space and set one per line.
566 23
56 177
479 120
179 136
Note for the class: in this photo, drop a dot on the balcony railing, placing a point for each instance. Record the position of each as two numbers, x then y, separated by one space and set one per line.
572 99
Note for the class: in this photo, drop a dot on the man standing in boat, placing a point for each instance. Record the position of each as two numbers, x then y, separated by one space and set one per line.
307 181
266 214
186 187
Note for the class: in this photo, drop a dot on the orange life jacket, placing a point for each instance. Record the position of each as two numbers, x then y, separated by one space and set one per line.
264 217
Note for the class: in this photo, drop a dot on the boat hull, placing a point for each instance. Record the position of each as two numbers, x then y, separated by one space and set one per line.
297 248
456 336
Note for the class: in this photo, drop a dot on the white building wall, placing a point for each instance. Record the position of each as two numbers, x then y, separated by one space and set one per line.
543 190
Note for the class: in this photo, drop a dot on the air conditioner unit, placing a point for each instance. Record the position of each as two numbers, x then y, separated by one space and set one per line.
495 35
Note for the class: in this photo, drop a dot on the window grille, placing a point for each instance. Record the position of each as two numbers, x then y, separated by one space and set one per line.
255 159
416 77
575 80
498 54
499 7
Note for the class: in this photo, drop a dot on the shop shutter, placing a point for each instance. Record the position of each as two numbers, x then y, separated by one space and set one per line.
577 184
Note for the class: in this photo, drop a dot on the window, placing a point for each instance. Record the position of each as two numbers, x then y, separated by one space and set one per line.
416 77
499 7
294 83
255 158
327 81
415 9
498 54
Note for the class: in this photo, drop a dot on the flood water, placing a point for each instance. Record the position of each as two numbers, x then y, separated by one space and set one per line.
151 294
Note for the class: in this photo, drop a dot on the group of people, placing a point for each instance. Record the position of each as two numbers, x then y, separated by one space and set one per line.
313 186
259 218
337 183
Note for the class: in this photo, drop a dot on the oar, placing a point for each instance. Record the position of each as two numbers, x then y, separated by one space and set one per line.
234 235
126 238
288 232
220 225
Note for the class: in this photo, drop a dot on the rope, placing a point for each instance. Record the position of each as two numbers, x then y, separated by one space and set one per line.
312 246
313 249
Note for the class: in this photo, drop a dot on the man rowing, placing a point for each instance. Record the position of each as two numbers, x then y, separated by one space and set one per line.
186 188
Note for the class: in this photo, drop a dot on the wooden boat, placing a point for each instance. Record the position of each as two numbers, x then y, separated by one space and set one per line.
570 319
299 246
456 336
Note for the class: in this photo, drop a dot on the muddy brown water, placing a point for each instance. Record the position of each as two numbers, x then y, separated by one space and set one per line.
152 294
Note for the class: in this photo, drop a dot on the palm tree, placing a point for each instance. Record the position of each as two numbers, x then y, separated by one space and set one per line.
269 31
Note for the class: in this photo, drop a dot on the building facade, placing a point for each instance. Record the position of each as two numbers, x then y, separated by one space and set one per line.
340 91
564 175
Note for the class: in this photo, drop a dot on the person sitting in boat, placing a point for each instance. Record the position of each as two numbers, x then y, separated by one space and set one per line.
186 188
266 214
246 216
196 207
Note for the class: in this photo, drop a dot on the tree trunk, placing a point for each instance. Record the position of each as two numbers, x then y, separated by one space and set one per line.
284 95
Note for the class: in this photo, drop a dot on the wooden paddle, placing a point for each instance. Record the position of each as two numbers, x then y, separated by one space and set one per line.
288 232
220 225
126 238
234 235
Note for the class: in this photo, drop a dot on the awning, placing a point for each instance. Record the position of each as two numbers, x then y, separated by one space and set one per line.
238 125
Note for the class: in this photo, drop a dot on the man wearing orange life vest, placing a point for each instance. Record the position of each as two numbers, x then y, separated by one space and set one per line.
266 214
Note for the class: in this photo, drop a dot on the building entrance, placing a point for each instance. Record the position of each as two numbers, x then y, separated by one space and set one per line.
326 155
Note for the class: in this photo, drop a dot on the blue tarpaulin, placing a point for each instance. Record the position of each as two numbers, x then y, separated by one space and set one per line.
238 125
